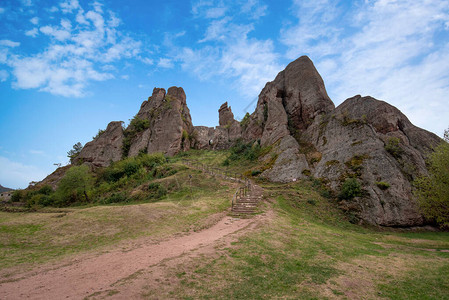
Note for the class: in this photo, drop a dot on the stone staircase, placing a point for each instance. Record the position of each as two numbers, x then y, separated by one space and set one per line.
246 198
247 204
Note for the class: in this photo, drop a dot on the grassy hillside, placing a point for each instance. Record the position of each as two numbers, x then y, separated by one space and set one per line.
307 249
310 251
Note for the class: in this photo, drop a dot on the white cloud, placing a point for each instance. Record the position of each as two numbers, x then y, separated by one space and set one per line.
2 10
79 51
392 50
69 5
227 51
9 43
165 63
125 77
3 75
17 175
147 61
34 20
58 34
254 8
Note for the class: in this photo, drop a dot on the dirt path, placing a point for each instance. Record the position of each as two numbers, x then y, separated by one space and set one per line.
95 276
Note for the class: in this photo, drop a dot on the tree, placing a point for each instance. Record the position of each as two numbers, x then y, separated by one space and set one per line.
432 191
75 186
72 154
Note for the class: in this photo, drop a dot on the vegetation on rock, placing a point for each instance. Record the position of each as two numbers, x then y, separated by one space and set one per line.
135 126
432 191
351 188
393 146
73 153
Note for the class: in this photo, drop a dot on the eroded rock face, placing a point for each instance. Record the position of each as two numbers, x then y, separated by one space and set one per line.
353 143
225 115
340 143
104 149
170 129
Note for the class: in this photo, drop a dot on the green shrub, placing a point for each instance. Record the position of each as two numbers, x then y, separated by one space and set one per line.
393 146
18 196
306 172
351 188
45 190
241 151
130 168
432 190
256 172
75 186
135 126
156 191
100 132
115 198
245 121
382 185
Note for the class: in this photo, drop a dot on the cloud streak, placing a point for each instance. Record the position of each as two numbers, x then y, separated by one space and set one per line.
17 175
392 50
227 50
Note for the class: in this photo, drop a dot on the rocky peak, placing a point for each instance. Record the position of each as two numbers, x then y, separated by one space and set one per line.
225 115
302 91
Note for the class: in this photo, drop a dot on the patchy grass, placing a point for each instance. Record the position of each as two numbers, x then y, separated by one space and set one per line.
308 250
313 252
29 238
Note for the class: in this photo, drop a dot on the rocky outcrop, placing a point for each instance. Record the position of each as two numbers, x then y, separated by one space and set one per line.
375 143
170 128
106 148
363 139
221 137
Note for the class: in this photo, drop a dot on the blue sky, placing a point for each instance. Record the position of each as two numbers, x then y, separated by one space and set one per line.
68 68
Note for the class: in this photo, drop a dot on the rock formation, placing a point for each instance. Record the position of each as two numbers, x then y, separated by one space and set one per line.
105 148
163 124
170 126
222 136
363 138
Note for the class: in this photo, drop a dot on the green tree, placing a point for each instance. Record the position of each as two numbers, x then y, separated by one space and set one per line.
75 186
432 191
72 154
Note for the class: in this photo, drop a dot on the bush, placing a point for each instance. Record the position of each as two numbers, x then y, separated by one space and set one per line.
256 172
75 186
244 151
393 146
18 196
45 190
135 126
383 185
351 188
245 121
156 190
432 190
115 198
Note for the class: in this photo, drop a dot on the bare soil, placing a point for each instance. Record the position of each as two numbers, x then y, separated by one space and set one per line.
124 272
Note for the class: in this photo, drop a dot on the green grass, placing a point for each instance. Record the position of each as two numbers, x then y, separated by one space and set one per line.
314 252
307 250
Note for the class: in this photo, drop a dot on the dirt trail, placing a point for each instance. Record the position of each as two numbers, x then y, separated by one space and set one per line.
96 275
